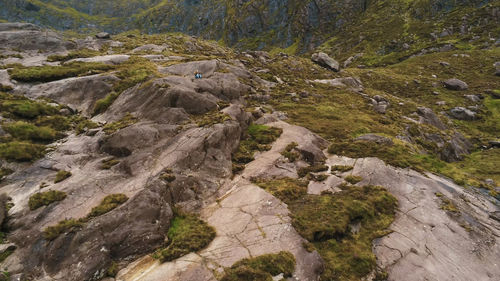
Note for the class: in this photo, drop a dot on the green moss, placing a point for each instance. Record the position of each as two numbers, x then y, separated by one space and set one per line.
21 151
26 131
51 73
56 122
127 120
302 172
107 204
186 234
25 108
447 204
40 199
259 138
353 179
83 53
112 269
62 175
287 189
107 164
261 268
289 153
83 124
67 225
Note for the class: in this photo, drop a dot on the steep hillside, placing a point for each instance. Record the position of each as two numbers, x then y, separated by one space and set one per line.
264 24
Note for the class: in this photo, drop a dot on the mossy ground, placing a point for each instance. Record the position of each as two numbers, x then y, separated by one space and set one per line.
62 175
51 73
186 234
326 220
261 268
107 204
126 121
259 139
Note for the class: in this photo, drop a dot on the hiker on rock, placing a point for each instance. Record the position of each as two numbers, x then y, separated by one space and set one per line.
197 75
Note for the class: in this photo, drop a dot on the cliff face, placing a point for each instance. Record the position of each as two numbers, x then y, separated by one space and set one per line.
256 24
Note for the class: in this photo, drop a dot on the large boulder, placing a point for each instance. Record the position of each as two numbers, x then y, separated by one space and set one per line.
455 84
462 113
427 116
325 61
456 148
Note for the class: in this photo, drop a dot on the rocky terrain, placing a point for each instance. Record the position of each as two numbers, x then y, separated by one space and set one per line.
117 164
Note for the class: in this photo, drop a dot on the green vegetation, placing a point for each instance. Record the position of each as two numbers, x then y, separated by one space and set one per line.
107 164
341 168
5 255
83 124
83 53
103 104
261 268
112 270
302 172
325 221
20 107
127 120
259 139
67 225
289 152
21 151
107 204
51 73
40 199
186 234
62 175
353 179
25 131
212 118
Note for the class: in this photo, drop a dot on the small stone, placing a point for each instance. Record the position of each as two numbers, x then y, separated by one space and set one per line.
462 113
455 84
441 103
435 93
103 35
473 98
326 61
443 63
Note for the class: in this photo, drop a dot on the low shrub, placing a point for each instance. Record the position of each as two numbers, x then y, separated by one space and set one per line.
341 168
40 199
186 234
25 108
103 104
289 153
302 172
62 175
106 164
107 204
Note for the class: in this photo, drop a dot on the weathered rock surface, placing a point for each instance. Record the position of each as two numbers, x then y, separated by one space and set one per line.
429 242
427 116
375 138
342 82
79 93
25 36
462 113
108 59
326 61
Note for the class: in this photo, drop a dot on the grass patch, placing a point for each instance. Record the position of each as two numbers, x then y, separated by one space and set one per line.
25 131
127 120
341 168
261 268
107 204
302 172
325 221
353 179
24 108
107 164
21 151
40 199
103 104
83 53
49 73
186 234
259 139
289 152
212 118
62 175
67 225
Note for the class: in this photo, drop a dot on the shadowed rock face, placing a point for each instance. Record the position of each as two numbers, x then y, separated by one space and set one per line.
30 37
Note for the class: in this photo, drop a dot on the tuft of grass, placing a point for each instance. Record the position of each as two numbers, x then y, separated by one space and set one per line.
66 225
261 268
25 108
186 234
103 104
126 121
56 122
167 176
21 151
49 73
289 153
83 53
25 131
353 179
62 175
83 124
302 172
107 204
447 204
40 199
286 189
112 269
341 168
107 164
212 118
259 139
5 255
